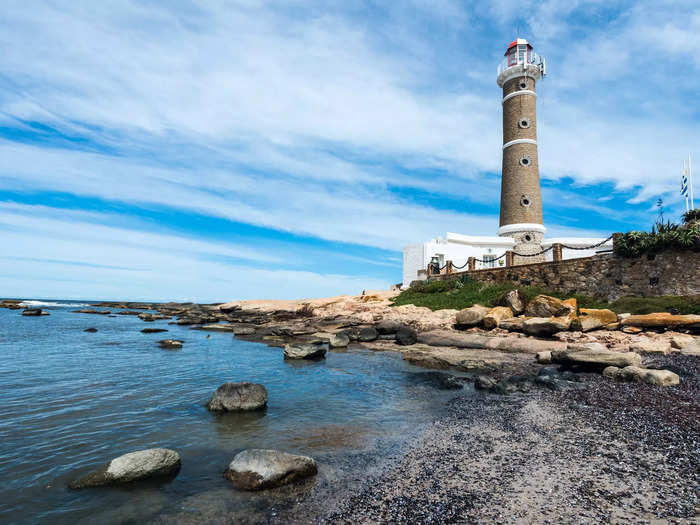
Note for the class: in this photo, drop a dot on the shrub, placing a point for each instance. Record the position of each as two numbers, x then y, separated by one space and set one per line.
663 236
691 216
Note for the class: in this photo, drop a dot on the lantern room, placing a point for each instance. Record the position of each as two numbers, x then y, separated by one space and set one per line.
519 52
520 59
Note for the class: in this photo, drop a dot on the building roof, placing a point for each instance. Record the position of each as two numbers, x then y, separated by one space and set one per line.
516 42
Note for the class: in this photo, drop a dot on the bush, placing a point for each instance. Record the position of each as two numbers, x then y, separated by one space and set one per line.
663 236
454 294
691 216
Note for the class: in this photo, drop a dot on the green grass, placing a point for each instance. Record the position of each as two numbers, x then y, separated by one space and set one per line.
458 294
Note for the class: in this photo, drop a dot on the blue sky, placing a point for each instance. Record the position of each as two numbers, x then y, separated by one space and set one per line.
226 150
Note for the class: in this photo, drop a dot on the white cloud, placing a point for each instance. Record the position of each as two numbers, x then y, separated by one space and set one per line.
304 117
46 256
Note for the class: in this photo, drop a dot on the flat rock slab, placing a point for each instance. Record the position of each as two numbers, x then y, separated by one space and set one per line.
596 358
134 466
457 339
170 343
466 359
305 351
216 328
259 469
643 375
238 397
663 320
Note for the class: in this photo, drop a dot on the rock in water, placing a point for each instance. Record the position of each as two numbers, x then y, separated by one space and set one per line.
367 334
238 397
471 316
406 336
546 306
32 312
339 340
258 469
316 350
134 466
153 330
170 343
495 315
90 330
515 301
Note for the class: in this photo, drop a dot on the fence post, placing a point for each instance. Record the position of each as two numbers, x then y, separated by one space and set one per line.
448 268
556 252
617 237
471 264
509 258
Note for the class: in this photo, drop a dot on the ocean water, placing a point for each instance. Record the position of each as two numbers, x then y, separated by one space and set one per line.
73 400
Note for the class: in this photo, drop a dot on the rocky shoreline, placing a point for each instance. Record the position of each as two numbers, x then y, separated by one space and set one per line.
556 434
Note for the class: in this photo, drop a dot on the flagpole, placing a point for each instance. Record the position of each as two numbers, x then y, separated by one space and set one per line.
684 179
690 180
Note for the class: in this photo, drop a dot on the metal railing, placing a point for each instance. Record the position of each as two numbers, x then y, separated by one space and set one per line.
532 58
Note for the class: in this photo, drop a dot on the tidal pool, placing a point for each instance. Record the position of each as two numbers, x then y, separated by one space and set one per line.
72 400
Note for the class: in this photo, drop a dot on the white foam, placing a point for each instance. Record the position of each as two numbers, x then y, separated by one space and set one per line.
46 304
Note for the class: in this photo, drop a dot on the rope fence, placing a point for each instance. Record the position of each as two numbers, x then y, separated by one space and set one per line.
541 252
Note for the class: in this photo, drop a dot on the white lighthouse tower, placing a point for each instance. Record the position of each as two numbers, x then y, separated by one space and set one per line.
521 200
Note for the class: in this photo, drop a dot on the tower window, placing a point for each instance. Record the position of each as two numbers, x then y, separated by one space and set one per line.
523 84
524 123
525 201
525 161
528 238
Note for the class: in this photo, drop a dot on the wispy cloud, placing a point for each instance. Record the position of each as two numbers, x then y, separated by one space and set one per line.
362 124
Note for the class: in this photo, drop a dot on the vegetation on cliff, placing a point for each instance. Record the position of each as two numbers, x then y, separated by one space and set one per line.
463 293
663 236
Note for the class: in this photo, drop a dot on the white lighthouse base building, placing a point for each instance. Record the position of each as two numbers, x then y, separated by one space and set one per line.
458 248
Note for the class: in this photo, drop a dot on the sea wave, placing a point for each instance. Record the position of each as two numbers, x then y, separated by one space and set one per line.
52 304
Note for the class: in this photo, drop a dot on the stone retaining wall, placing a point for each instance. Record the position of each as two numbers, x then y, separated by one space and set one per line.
608 276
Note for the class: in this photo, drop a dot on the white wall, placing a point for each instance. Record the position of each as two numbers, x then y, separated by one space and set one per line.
458 248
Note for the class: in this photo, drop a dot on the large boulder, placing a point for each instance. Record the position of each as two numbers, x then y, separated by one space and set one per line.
134 466
642 375
367 334
593 319
515 301
546 326
406 336
495 315
388 326
663 320
258 469
238 397
546 306
471 316
32 312
339 340
595 357
315 350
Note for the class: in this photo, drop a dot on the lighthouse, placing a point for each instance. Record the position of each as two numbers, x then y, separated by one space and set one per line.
521 200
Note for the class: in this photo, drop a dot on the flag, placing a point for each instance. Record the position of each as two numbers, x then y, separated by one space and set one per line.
684 184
